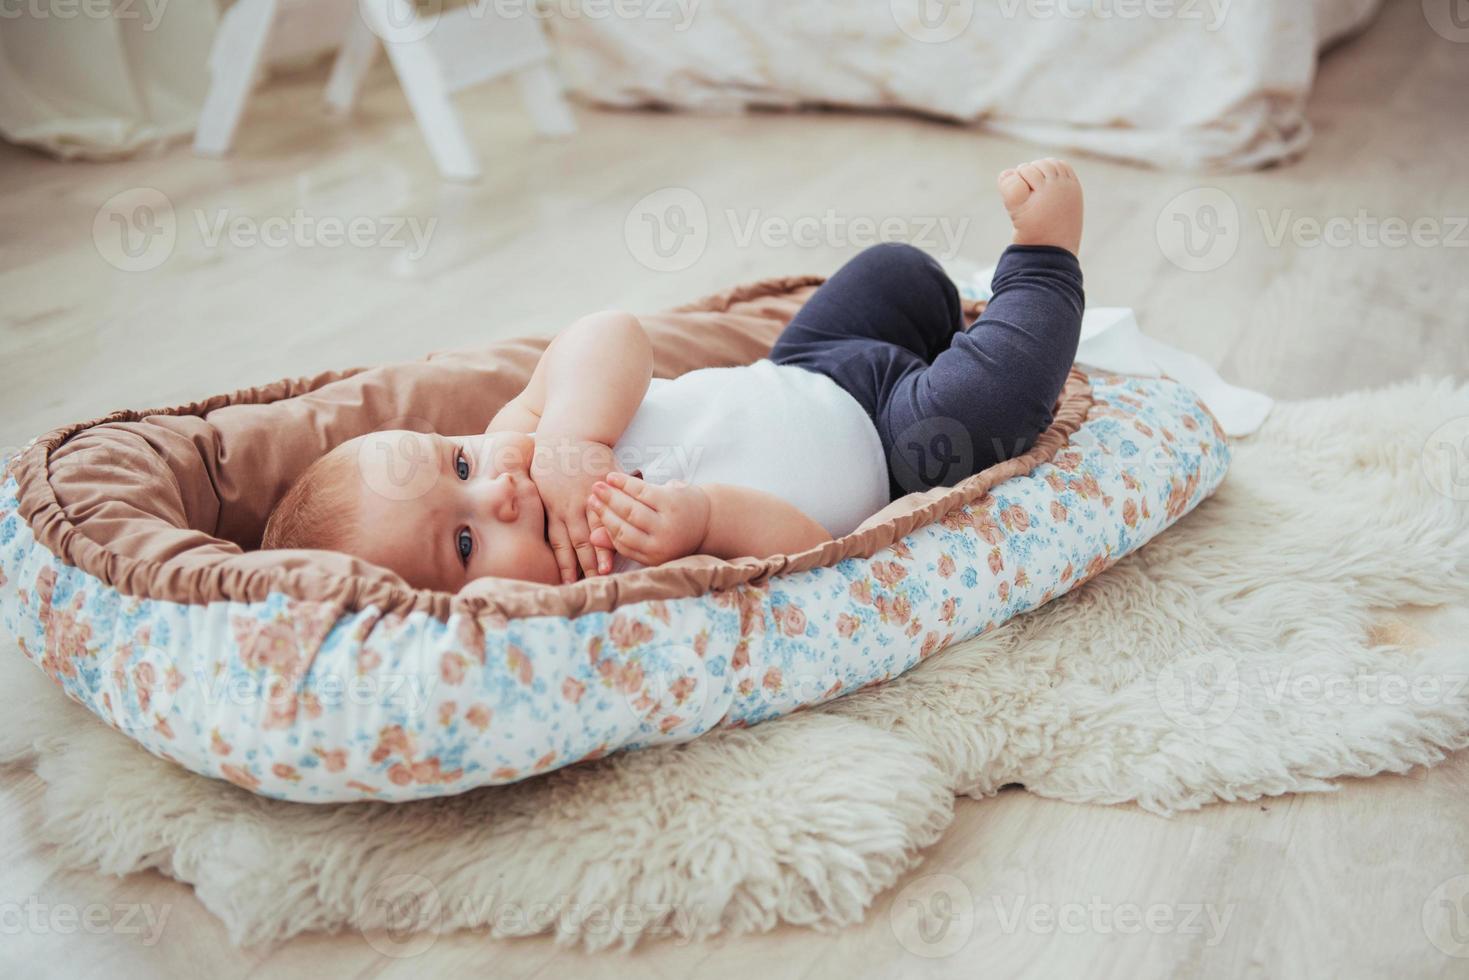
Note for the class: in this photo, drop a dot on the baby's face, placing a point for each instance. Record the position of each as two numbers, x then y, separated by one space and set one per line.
444 510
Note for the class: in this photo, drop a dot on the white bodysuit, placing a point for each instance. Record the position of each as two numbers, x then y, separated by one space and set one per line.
777 428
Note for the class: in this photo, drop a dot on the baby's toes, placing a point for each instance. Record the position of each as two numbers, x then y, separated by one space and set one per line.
1013 189
1033 174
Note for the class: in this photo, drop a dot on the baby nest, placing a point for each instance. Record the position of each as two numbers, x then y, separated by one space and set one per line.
129 574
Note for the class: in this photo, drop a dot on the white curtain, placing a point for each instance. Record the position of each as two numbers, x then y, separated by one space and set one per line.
102 78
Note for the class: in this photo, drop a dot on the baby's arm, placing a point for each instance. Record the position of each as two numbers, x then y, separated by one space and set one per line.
587 384
580 398
653 524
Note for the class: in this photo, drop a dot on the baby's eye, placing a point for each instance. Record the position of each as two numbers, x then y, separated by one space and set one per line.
464 544
461 464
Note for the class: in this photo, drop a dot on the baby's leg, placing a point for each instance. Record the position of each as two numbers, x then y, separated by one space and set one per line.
892 294
988 397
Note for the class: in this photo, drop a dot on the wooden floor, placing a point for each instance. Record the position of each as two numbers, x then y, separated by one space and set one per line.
1340 885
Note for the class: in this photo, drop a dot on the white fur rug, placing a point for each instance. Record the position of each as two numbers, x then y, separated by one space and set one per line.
1233 657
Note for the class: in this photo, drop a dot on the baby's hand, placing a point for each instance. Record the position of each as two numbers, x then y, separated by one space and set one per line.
649 523
564 472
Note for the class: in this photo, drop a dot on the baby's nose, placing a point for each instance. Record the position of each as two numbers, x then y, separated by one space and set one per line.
495 496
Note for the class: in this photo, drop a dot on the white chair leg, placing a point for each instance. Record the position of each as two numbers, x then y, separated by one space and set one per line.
235 62
428 95
540 91
354 60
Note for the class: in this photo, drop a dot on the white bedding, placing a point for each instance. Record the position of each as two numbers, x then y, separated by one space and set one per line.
1187 84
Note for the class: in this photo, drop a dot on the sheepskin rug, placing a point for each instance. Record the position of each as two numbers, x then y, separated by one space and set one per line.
1234 657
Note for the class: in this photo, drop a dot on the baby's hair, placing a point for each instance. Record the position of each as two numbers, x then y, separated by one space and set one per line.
318 511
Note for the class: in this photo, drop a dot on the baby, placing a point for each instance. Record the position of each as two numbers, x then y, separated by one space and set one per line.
875 389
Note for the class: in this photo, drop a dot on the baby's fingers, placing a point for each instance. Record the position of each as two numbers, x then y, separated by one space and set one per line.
601 543
561 547
630 541
626 506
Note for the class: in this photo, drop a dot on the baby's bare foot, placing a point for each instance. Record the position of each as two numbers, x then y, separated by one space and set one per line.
1044 201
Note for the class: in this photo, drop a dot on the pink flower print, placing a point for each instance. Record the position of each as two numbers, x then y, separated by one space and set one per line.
997 562
901 608
1129 512
793 620
478 716
447 711
519 663
847 625
1015 517
334 760
1004 591
627 632
282 771
989 530
948 610
1067 461
946 566
1058 512
393 740
1055 482
1142 427
889 573
930 644
861 591
400 775
239 777
572 689
914 628
451 667
772 680
218 745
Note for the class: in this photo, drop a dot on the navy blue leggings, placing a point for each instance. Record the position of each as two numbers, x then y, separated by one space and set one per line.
947 400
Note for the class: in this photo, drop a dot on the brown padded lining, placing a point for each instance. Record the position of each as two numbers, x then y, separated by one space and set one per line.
169 503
